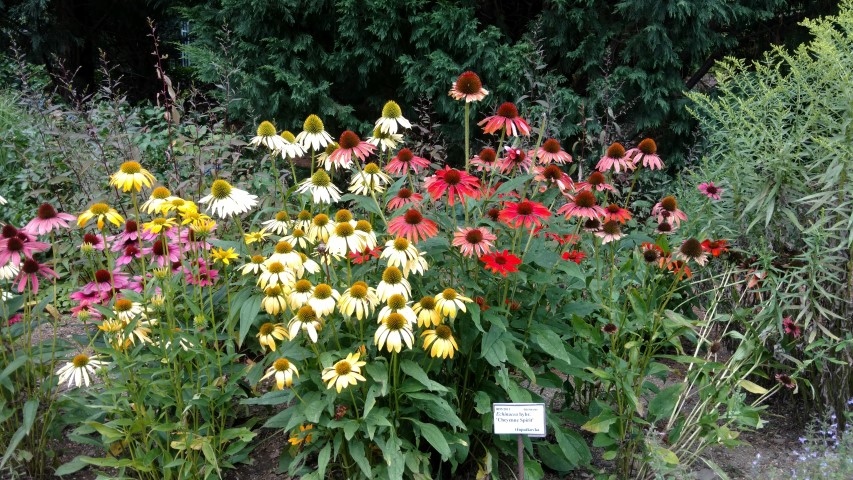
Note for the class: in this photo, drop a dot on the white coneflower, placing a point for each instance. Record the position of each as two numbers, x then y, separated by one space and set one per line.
385 141
227 201
392 115
278 225
320 187
275 273
313 134
359 300
267 137
346 239
298 238
77 372
394 331
9 271
290 147
370 180
324 299
399 252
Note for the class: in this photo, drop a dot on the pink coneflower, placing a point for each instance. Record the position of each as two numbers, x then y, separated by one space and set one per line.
14 250
651 252
554 175
86 309
501 262
791 328
667 211
47 219
582 205
615 159
574 256
350 145
524 213
664 228
193 241
474 241
786 381
456 183
130 253
367 255
405 160
130 234
710 190
405 197
597 182
591 225
162 252
14 319
205 277
611 230
94 241
485 160
692 249
551 152
506 117
615 212
646 151
102 285
468 87
9 231
515 160
715 247
413 226
28 272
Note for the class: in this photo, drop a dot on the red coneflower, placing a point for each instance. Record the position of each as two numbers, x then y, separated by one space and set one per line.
563 239
554 175
468 87
679 268
617 213
365 256
646 151
47 219
710 190
501 262
456 183
524 214
667 211
506 117
615 158
474 241
404 197
582 205
485 160
715 247
551 152
515 160
28 272
413 226
493 214
574 256
610 231
791 328
405 160
651 252
350 145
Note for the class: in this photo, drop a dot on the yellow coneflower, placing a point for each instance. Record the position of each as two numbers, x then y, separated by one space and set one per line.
440 342
274 273
321 228
370 180
346 239
159 224
268 137
224 256
449 301
344 373
394 331
392 115
399 252
313 134
255 265
428 314
103 212
320 187
131 175
126 310
253 237
284 371
297 238
359 300
269 333
302 291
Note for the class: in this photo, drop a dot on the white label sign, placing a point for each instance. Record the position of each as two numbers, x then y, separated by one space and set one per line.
519 419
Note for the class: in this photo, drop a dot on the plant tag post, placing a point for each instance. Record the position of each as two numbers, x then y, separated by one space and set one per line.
519 419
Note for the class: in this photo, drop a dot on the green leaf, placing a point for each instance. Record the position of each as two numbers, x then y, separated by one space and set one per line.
664 402
248 313
366 203
415 371
493 349
437 408
512 184
516 359
665 454
73 466
433 435
323 460
600 424
483 403
752 387
551 344
30 409
356 450
572 446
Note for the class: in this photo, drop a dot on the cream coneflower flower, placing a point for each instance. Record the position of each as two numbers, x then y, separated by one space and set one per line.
284 254
610 230
303 220
344 373
274 301
440 342
77 372
391 116
268 137
397 304
449 301
394 331
297 238
393 282
102 212
417 265
324 299
313 134
274 273
306 320
255 265
301 293
227 201
321 228
369 236
359 300
468 87
278 225
320 187
370 180
269 333
385 141
308 265
324 160
399 252
692 249
283 371
131 175
428 313
126 310
345 239
9 271
290 147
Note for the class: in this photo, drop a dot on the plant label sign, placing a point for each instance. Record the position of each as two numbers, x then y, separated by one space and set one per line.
519 419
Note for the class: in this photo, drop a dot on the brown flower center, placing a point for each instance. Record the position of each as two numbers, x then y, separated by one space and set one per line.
349 140
427 303
396 301
691 248
525 208
46 211
551 146
669 204
507 110
343 368
395 321
452 177
392 275
102 276
474 236
648 146
468 83
585 199
443 332
616 151
281 365
413 217
488 155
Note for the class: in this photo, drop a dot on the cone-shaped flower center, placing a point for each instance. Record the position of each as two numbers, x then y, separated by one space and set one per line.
322 291
92 239
392 275
395 321
363 226
474 236
597 178
283 247
650 255
427 303
413 217
611 227
80 361
9 231
282 216
266 129
616 151
330 148
321 179
343 368
552 172
396 301
712 189
613 208
585 199
358 290
297 233
343 215
99 209
401 244
306 314
267 328
452 177
46 211
304 215
302 286
258 259
123 305
321 220
392 110
159 248
275 267
281 365
691 248
525 208
648 146
161 193
664 227
507 110
371 169
493 214
130 168
102 276
220 189
551 146
15 244
669 204
288 136
30 266
468 83
273 291
449 294
405 155
404 193
443 332
488 155
592 224
349 140
344 230
313 124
